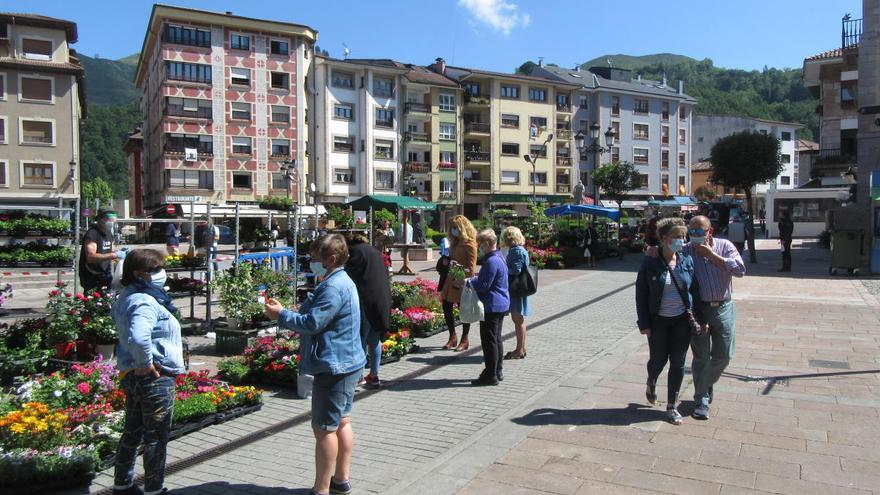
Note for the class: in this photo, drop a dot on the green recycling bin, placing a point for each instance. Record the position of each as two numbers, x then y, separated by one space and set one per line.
846 250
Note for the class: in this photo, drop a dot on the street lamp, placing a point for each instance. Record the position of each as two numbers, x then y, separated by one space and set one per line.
76 246
595 149
531 159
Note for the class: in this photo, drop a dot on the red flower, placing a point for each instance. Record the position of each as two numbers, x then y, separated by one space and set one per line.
84 388
54 293
96 295
298 358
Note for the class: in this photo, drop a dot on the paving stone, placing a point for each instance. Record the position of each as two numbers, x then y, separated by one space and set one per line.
665 483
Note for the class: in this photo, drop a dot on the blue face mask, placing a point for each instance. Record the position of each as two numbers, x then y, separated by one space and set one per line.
455 232
676 245
696 241
318 268
158 279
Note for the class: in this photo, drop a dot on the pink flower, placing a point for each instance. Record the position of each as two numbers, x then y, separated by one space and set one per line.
84 388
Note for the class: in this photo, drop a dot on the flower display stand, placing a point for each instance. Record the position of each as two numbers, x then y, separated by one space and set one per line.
233 341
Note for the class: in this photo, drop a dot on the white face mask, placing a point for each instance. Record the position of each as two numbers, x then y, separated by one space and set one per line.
158 279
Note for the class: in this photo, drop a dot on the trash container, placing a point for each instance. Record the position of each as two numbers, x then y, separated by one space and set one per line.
846 250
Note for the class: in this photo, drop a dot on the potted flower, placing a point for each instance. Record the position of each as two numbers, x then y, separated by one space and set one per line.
237 294
64 320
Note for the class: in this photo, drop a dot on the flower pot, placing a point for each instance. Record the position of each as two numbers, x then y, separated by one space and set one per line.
84 351
64 350
105 350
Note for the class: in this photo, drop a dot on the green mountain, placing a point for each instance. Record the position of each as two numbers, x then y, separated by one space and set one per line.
636 62
109 82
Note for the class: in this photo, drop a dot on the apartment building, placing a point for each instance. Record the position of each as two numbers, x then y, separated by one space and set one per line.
42 99
357 127
503 118
651 121
224 105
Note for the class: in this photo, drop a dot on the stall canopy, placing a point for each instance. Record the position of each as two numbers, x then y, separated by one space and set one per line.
560 210
390 201
676 201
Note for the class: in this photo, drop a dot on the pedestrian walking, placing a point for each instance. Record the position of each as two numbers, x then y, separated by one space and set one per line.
736 233
366 268
95 268
462 253
517 258
716 262
275 233
491 286
665 291
150 356
172 238
331 349
786 230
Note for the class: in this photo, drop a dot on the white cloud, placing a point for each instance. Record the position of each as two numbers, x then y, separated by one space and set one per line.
499 15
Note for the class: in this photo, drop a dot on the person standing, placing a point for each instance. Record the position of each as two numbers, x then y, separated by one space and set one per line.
95 270
736 233
786 230
517 258
150 356
665 290
491 286
463 253
274 233
591 237
172 238
367 270
329 324
716 262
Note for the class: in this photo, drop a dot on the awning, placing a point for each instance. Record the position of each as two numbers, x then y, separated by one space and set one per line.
561 210
379 201
245 211
506 198
627 204
675 201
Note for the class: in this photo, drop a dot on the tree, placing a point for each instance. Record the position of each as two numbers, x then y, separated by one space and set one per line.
97 188
743 160
616 179
704 193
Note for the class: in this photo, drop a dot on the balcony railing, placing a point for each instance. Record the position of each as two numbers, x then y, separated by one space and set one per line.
447 166
179 111
417 167
418 137
477 127
470 99
416 108
477 156
563 133
563 161
563 107
178 150
851 33
563 188
477 185
448 195
834 156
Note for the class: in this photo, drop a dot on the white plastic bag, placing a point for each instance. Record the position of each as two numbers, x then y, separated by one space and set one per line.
470 308
116 283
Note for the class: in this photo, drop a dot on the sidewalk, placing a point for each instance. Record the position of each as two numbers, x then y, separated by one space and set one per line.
794 435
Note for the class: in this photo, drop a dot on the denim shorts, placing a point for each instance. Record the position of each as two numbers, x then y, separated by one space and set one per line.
332 398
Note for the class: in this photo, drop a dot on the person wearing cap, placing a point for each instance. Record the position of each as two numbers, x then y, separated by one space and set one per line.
95 267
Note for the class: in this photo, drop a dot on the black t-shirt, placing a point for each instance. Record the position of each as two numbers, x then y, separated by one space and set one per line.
99 271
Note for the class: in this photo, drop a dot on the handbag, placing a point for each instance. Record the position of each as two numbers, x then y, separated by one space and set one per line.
470 307
524 283
693 324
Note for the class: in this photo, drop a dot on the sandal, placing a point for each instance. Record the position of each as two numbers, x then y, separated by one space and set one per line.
674 416
651 393
514 355
451 343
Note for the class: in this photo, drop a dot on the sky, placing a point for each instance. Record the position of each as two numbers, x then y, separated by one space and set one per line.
501 34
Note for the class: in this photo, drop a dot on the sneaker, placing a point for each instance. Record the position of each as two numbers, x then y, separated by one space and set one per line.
500 376
674 416
482 381
372 382
701 412
132 490
711 395
340 487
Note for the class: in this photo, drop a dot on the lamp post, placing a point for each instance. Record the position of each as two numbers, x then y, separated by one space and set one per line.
76 246
595 149
531 159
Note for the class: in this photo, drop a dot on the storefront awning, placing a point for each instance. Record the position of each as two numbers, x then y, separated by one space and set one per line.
379 201
562 210
528 198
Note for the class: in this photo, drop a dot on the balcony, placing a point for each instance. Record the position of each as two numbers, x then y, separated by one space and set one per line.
417 167
477 156
563 133
476 128
447 166
563 161
179 111
412 107
447 196
176 150
833 160
476 100
417 137
851 33
563 188
563 107
471 185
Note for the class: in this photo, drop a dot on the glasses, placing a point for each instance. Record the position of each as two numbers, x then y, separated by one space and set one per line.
697 232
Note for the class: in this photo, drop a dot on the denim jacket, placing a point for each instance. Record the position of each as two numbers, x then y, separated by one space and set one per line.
329 324
148 333
651 281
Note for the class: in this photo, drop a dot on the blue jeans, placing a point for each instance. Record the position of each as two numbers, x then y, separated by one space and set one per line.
713 352
373 348
332 399
149 403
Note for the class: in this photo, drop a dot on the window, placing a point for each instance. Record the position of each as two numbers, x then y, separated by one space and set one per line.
583 103
848 92
447 158
447 188
510 149
537 94
664 111
615 106
242 180
343 144
343 111
187 36
177 143
640 106
642 181
343 175
584 126
447 102
35 49
188 107
472 88
280 148
562 102
384 149
509 120
3 130
664 134
539 122
384 117
640 131
36 89
343 79
509 177
189 179
37 174
640 155
4 174
281 80
615 126
447 132
383 87
664 183
682 159
682 184
511 92
786 158
279 47
664 159
538 178
241 111
280 114
37 132
239 41
384 179
241 76
279 181
785 136
682 136
615 154
182 71
538 150
241 146
784 180
2 87
682 112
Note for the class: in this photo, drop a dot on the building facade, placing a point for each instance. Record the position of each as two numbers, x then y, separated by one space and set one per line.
42 100
224 105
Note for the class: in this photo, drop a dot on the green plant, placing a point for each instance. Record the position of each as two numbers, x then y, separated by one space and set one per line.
20 467
382 216
260 234
342 218
193 407
235 288
276 203
235 370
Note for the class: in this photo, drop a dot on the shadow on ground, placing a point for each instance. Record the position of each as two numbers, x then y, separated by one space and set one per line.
623 416
222 487
427 384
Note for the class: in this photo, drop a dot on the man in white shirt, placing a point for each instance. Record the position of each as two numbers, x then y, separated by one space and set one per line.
736 233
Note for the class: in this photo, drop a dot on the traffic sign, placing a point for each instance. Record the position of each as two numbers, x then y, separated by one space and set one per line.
171 209
87 212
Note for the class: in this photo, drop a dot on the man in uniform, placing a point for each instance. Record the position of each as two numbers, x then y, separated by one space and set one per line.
97 252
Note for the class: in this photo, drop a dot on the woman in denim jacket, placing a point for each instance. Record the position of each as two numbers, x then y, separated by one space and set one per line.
662 310
329 325
150 356
517 260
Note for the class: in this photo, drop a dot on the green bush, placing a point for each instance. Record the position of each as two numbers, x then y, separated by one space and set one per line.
435 235
234 369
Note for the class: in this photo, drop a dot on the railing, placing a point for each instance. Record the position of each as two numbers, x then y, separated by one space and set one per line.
833 156
563 188
563 107
447 166
477 127
447 195
388 124
477 185
470 99
477 156
563 161
200 113
563 133
419 137
174 150
284 154
416 107
851 32
343 147
417 167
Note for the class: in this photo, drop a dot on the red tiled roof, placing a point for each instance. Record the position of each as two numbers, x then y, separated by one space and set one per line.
835 53
701 166
42 21
41 65
422 75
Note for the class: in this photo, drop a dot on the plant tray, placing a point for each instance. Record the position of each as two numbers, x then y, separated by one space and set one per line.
191 426
237 412
27 488
429 333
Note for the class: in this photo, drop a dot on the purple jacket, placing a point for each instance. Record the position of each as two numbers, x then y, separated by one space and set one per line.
491 283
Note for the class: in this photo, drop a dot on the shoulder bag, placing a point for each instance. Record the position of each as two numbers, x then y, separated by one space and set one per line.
693 324
524 283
